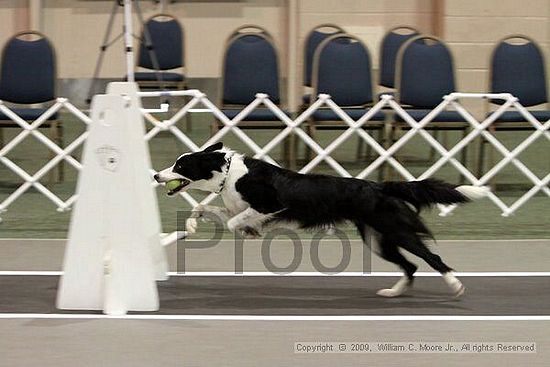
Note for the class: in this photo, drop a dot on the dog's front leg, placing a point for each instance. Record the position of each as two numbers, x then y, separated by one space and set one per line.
248 218
205 212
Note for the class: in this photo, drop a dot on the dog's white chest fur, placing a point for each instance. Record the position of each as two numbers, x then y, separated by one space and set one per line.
232 199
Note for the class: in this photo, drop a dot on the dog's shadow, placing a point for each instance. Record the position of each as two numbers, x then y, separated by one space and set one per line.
301 300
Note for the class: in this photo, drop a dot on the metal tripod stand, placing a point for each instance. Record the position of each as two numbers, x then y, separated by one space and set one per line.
127 33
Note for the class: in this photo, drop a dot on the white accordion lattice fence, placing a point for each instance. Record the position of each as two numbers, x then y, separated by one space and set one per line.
293 126
60 154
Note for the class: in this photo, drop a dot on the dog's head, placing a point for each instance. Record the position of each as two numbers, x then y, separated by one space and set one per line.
199 170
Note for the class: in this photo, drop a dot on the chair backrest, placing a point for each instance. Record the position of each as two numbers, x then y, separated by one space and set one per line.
250 66
167 40
424 72
342 69
391 42
519 69
251 29
28 71
314 39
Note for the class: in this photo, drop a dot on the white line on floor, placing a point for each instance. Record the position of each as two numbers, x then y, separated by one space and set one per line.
357 239
278 318
361 274
307 274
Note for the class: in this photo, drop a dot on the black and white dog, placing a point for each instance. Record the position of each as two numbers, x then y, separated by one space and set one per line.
257 194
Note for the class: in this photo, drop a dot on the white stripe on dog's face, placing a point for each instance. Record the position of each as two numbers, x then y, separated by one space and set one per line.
168 174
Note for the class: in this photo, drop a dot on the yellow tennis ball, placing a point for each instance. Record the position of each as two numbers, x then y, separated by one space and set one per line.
173 184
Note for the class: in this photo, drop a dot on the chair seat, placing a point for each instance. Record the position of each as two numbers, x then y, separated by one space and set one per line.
28 114
259 114
354 113
151 76
515 116
443 116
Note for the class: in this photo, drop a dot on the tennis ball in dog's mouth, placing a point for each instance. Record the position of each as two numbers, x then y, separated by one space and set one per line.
173 184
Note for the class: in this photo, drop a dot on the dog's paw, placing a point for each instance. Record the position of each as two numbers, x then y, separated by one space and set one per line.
197 211
329 229
389 293
459 291
398 288
191 225
456 286
232 225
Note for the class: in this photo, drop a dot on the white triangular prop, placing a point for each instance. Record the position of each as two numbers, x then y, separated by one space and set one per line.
113 256
152 225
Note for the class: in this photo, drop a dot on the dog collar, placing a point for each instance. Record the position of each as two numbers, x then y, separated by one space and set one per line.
228 164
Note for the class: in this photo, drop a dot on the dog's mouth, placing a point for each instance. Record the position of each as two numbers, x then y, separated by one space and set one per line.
181 186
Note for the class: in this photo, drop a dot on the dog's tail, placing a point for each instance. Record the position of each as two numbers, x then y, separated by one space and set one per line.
422 194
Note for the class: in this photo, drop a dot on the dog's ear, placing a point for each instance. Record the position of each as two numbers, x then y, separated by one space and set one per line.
214 147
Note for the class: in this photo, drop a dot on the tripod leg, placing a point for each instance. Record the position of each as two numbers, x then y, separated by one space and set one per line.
103 48
128 40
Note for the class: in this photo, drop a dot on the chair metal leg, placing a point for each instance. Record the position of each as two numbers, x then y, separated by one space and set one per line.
188 124
381 133
59 141
480 157
396 133
214 127
293 151
387 141
53 136
435 134
284 152
491 160
360 145
368 153
56 134
368 149
288 152
188 119
463 154
312 132
391 132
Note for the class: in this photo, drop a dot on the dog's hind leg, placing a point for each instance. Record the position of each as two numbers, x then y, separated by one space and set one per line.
389 251
249 218
417 247
393 255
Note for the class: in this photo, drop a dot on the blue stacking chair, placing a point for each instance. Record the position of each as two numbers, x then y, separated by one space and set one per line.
167 41
27 77
250 66
391 42
342 68
166 70
517 68
424 75
314 39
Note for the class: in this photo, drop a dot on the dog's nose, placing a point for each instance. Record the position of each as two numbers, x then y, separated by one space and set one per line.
156 177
